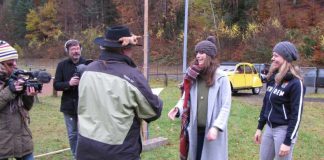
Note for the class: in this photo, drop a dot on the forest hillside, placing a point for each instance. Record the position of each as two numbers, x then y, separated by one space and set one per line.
246 30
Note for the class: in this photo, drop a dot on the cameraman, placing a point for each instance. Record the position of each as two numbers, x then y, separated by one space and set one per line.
67 81
15 102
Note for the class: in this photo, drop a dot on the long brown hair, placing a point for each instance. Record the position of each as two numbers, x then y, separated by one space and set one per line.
208 72
283 70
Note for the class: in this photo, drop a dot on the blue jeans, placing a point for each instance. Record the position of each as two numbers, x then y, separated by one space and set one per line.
71 122
29 156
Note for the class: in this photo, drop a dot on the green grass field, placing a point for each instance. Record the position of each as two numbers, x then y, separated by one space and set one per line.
49 131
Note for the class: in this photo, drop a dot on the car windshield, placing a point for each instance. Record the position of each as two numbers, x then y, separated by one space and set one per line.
227 68
261 68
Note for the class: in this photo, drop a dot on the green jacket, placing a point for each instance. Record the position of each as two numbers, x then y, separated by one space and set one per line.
15 136
113 97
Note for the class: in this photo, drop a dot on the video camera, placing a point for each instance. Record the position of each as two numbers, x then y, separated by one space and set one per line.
34 79
81 68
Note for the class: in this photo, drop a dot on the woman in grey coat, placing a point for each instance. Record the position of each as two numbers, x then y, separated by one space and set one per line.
209 101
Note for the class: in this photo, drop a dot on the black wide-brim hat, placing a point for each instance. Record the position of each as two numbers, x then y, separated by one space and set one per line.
112 36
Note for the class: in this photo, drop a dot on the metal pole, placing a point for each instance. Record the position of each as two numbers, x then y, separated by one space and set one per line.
185 39
316 80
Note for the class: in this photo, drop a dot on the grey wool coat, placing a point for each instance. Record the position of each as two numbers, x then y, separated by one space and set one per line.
219 105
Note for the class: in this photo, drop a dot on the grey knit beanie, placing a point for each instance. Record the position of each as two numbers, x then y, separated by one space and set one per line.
287 50
207 46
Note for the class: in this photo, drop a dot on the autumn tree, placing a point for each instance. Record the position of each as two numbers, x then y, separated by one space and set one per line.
101 12
33 21
4 18
169 23
19 10
259 40
42 25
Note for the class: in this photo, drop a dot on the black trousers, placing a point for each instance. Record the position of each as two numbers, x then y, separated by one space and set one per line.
200 141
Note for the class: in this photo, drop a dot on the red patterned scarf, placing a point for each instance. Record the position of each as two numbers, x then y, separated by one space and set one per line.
191 75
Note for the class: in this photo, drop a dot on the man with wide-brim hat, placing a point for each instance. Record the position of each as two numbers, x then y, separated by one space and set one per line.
117 37
113 97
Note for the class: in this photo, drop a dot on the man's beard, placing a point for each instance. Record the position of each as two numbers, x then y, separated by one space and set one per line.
75 58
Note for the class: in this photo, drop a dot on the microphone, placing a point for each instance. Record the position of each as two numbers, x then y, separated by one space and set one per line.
42 76
81 68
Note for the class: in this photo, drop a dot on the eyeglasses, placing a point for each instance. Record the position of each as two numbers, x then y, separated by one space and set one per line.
74 49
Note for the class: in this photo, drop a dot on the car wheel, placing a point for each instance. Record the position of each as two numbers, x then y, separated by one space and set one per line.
256 90
233 91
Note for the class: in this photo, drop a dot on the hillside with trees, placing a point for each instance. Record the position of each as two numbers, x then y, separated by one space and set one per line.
246 30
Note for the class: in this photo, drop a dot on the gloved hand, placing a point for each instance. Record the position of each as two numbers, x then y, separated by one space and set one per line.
16 86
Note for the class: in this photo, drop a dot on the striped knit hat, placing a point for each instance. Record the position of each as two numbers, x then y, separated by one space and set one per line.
7 52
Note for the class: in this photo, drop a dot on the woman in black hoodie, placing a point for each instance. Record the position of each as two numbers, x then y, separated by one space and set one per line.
282 105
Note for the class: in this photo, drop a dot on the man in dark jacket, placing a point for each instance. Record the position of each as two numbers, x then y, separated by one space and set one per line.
67 80
15 102
114 98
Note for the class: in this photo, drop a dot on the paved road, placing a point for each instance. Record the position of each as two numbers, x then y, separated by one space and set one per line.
247 96
315 100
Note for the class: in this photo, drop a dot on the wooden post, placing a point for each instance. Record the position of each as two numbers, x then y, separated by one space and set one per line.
36 99
144 124
54 91
155 142
165 80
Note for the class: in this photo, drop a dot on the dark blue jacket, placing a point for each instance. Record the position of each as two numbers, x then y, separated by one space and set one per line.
283 105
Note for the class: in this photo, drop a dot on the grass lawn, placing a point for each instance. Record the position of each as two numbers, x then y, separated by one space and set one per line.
48 128
49 131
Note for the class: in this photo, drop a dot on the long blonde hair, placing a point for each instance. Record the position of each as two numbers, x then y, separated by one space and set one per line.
283 70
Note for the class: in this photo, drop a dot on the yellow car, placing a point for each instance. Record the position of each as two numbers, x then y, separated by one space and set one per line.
242 76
